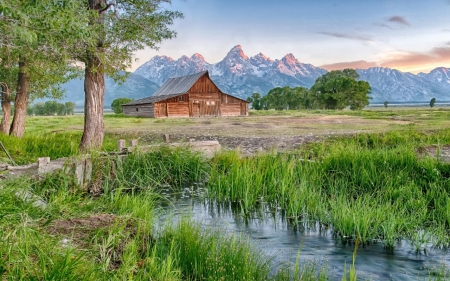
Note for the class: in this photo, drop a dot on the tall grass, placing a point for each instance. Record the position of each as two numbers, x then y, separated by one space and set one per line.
164 166
375 187
34 245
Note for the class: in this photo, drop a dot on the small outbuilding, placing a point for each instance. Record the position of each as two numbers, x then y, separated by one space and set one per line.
194 95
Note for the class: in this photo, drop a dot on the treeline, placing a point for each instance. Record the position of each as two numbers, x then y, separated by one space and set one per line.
337 89
51 108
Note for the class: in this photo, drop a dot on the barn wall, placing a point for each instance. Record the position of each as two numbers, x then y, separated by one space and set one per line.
180 109
204 99
160 110
231 109
204 85
141 110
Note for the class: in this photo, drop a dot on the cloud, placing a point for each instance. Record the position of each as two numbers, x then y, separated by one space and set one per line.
403 61
399 20
383 25
362 64
347 36
414 61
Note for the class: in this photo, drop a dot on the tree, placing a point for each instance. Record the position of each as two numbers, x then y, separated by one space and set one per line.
39 38
122 27
116 105
255 100
386 104
69 108
432 102
338 89
51 108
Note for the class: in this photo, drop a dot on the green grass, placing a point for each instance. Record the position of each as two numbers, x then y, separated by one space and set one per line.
375 187
367 187
112 237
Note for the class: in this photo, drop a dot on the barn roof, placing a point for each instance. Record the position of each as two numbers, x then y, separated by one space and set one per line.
173 87
151 99
179 85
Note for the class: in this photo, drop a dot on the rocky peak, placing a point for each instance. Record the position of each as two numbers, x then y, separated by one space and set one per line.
237 51
260 58
289 59
162 58
197 57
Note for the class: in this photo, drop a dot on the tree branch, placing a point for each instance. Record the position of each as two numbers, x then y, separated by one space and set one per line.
108 5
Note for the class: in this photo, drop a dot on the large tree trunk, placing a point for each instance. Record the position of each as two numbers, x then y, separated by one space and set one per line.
94 90
6 108
94 86
21 102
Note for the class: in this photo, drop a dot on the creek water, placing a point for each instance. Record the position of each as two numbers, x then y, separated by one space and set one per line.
281 241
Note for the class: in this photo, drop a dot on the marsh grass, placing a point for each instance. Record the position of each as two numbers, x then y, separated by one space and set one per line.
161 167
371 186
112 237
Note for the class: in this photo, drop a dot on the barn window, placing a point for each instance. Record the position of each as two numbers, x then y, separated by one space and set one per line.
196 101
137 109
181 98
213 103
207 102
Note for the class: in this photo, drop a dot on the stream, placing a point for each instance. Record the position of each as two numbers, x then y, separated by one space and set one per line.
281 241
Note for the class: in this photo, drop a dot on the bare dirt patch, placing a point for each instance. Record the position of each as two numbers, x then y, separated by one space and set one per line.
438 152
79 229
255 133
90 232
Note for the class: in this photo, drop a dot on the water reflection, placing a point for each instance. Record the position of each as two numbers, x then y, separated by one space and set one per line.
271 232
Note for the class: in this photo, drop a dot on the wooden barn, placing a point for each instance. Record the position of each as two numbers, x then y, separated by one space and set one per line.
194 95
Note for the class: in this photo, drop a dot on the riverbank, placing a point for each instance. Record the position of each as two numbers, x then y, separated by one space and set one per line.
383 188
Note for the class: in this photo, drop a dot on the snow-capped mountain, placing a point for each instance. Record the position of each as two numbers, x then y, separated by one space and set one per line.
237 73
396 86
241 75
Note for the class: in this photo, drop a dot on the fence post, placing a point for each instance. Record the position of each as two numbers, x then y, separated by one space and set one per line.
120 145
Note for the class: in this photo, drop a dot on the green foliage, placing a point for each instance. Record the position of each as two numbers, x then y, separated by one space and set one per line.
51 108
285 98
386 103
432 102
334 90
339 89
44 35
124 28
116 105
255 100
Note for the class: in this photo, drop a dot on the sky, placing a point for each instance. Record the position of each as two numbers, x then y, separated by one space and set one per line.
408 35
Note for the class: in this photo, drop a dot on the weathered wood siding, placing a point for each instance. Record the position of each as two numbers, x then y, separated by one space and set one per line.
141 110
204 99
180 109
231 109
173 107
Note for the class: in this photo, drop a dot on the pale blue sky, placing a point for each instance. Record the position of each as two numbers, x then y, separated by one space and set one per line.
407 35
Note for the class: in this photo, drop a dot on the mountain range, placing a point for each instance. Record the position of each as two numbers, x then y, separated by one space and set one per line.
240 75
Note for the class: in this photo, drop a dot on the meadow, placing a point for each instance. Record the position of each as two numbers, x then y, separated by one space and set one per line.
372 176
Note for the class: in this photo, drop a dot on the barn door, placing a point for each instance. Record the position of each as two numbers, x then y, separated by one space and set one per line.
163 110
244 109
195 109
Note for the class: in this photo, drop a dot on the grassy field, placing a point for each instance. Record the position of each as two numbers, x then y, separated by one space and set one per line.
378 175
263 130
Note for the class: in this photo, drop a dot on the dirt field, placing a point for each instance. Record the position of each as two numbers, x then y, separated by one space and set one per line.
257 133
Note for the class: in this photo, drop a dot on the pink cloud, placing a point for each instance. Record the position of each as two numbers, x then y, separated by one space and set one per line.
362 64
